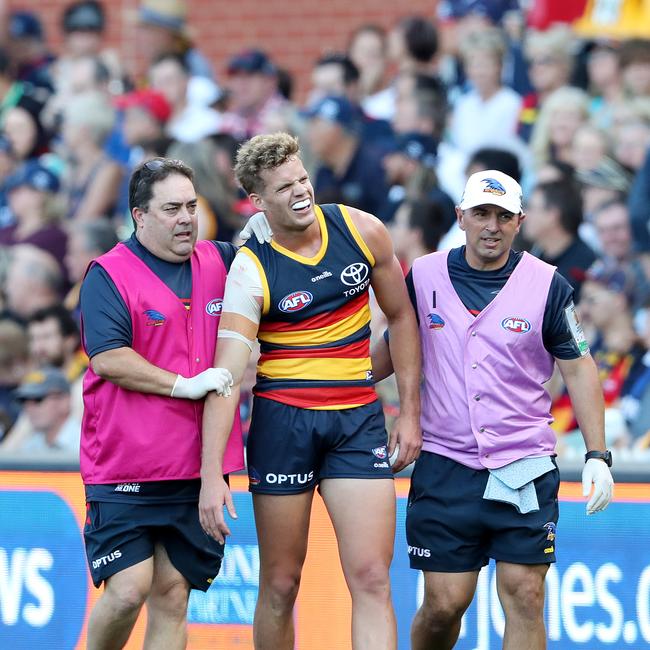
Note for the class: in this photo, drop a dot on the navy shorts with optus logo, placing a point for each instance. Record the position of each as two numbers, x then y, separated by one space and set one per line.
119 535
291 449
451 528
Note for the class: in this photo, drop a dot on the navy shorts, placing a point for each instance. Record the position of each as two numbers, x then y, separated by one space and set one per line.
119 535
291 449
451 528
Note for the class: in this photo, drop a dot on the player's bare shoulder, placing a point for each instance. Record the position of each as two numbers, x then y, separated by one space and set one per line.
374 233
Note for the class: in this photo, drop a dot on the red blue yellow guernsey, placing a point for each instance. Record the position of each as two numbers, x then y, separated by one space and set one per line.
315 329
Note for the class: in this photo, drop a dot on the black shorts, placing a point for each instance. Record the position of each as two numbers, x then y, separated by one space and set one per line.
119 535
451 528
291 449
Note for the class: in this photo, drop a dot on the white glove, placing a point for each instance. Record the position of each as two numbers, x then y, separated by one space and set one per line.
216 379
259 226
597 472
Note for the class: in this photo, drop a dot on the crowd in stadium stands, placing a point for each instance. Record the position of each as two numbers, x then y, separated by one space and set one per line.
394 126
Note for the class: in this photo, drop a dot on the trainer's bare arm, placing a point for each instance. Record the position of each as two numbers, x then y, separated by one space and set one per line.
390 289
237 331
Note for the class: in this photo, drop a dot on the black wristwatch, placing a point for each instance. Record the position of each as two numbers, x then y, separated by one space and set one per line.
602 455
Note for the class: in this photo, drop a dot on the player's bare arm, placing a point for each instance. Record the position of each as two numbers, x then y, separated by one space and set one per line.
237 330
390 290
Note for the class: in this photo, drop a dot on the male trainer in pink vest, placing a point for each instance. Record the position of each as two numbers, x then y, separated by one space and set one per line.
150 314
493 322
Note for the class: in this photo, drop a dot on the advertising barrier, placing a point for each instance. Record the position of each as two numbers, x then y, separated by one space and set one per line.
598 594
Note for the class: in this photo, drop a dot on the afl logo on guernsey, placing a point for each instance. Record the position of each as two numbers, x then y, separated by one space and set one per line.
295 301
354 274
516 324
213 308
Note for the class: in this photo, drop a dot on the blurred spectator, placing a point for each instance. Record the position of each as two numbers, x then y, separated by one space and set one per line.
54 341
336 74
189 122
416 230
590 147
635 67
563 113
498 106
93 178
550 59
367 50
86 241
413 44
253 94
410 171
23 127
145 115
45 395
638 202
631 142
33 281
7 167
13 366
553 216
604 81
162 28
29 51
32 192
350 170
603 183
615 347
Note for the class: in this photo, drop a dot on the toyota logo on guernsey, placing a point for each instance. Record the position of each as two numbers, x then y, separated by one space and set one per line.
354 274
213 308
516 324
295 301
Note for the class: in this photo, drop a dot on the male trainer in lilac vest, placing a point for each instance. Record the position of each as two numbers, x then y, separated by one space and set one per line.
493 322
150 315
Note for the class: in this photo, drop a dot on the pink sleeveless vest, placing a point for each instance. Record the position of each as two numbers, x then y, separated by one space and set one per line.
128 436
483 400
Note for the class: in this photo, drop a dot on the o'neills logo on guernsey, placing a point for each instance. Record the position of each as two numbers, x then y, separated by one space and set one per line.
516 324
295 301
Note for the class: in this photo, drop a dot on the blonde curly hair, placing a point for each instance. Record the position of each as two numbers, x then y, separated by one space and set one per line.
260 153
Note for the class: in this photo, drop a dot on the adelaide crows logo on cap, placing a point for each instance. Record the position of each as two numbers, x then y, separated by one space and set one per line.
154 318
492 186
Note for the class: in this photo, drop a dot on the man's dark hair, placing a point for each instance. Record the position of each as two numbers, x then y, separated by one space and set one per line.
499 159
563 196
635 50
428 216
350 70
146 175
420 38
67 325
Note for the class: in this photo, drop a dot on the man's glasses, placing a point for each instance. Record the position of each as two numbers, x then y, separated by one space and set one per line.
153 165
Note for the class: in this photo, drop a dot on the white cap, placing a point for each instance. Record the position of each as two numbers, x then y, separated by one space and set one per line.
492 187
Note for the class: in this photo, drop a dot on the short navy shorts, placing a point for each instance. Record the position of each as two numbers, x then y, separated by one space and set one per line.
291 449
119 535
451 528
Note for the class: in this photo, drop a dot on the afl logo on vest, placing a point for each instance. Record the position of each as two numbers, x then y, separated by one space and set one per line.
213 308
516 324
295 301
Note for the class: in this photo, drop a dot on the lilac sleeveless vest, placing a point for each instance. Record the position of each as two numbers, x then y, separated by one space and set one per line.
129 436
483 402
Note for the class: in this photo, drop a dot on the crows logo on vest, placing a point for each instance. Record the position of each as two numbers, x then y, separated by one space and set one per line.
516 324
154 318
435 322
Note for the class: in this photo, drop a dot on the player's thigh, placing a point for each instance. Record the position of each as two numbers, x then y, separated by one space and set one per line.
131 585
520 580
449 593
363 514
282 523
166 576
